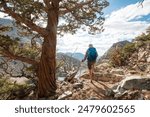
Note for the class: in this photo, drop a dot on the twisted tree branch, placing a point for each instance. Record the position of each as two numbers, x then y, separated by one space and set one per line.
19 18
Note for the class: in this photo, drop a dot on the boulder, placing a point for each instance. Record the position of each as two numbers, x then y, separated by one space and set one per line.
148 59
131 72
117 77
65 95
109 92
19 80
117 71
78 85
136 82
130 95
103 66
132 82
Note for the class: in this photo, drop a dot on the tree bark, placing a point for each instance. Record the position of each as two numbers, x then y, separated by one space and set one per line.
46 71
47 66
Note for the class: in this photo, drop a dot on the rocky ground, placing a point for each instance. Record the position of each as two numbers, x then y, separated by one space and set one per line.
130 82
108 84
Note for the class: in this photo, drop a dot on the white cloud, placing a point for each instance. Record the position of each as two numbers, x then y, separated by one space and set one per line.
133 11
125 20
123 24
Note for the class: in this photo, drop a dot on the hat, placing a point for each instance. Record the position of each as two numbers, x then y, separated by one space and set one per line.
90 45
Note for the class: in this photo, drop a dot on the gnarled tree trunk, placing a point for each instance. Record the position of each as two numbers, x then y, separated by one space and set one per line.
47 66
46 71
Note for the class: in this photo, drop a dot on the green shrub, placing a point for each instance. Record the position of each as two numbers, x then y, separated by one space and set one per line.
143 37
120 56
116 58
7 87
128 50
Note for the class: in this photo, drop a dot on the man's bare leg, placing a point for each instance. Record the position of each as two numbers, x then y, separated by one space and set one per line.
90 74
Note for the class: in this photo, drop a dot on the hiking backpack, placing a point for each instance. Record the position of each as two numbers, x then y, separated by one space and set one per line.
91 54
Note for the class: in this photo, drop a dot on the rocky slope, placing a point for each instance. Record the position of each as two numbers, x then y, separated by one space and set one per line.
130 81
108 53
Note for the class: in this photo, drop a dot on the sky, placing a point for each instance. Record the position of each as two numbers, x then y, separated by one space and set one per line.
124 20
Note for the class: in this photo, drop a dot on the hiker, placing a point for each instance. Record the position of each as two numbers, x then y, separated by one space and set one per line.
91 56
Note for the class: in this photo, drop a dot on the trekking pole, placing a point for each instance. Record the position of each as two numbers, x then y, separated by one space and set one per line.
80 70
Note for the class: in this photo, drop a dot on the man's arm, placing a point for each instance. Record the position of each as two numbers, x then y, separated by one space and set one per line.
85 57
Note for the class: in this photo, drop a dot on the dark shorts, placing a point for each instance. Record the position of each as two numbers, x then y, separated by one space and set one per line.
90 64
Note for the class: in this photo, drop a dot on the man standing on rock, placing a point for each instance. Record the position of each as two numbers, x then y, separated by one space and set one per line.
91 56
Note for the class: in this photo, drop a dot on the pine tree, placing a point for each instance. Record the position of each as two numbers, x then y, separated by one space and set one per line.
28 13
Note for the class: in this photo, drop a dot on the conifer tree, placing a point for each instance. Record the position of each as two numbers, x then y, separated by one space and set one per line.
39 19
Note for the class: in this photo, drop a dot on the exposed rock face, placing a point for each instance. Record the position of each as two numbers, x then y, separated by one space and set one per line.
120 44
134 75
129 84
140 60
125 82
136 82
15 68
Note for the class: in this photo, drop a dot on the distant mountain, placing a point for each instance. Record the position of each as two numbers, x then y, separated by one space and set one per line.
77 55
67 58
66 64
14 31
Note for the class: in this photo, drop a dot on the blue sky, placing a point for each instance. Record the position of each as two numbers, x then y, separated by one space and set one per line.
118 4
125 20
